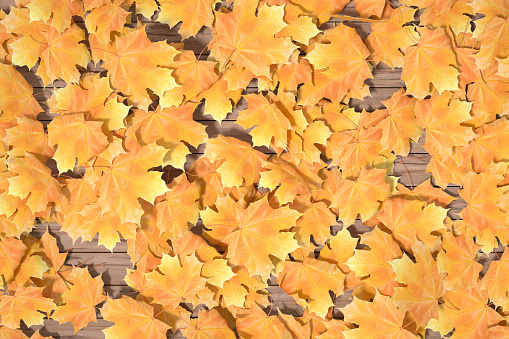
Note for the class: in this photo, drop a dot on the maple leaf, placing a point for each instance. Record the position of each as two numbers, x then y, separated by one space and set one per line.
293 181
488 93
292 74
28 136
467 312
257 226
107 224
492 281
441 117
398 123
312 280
94 98
220 99
348 66
180 281
23 303
193 15
80 300
247 40
356 149
425 192
178 207
430 64
424 284
217 272
457 259
59 13
149 57
409 220
389 39
132 318
381 314
374 264
361 195
56 280
59 53
255 323
131 170
316 220
488 145
77 139
12 250
240 163
494 43
339 249
194 77
300 28
269 122
208 324
34 181
115 17
16 95
168 126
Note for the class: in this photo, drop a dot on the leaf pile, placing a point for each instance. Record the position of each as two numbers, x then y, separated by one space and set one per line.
206 237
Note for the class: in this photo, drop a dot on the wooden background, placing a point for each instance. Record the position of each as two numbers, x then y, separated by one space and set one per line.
114 264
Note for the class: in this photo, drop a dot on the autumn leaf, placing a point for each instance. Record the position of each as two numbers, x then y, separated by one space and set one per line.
374 264
77 140
255 323
389 39
119 55
420 74
441 117
132 318
246 39
80 300
52 47
208 324
17 98
238 159
34 181
348 66
361 195
258 226
193 15
60 12
467 312
131 170
312 280
423 284
180 281
408 220
112 14
380 314
24 304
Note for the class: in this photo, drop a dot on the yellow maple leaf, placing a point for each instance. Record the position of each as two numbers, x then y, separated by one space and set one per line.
77 139
24 304
149 57
381 314
80 300
34 181
361 195
128 179
59 53
240 163
133 319
16 95
247 40
257 226
430 64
